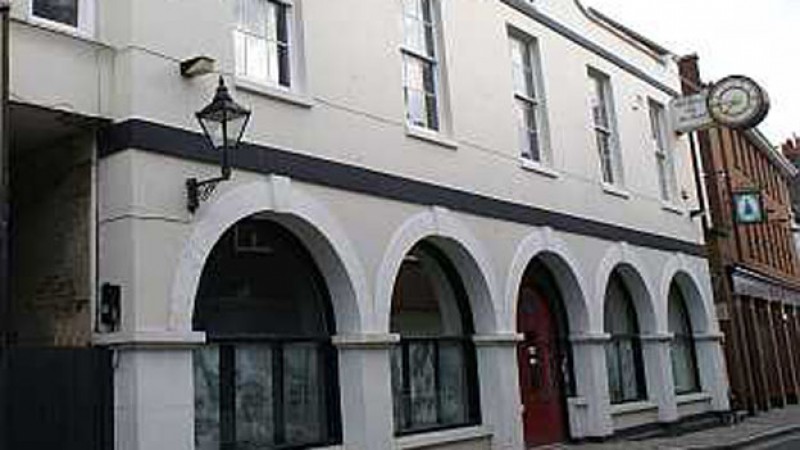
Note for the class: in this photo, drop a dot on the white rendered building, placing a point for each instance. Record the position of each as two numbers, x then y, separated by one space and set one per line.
453 224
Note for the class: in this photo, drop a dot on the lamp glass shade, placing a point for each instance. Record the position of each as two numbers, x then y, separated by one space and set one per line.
223 120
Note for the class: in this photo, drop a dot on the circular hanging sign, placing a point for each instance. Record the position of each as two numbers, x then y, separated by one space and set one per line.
737 102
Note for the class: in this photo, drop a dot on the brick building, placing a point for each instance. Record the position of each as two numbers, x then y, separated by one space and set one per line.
791 150
754 267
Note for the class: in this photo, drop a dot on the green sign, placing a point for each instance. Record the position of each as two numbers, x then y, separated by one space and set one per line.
748 207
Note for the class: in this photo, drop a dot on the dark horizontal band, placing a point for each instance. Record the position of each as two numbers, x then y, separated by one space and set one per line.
152 137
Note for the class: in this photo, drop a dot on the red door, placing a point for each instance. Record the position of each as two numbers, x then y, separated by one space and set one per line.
540 371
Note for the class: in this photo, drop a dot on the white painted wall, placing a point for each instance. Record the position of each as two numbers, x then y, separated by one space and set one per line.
354 86
153 248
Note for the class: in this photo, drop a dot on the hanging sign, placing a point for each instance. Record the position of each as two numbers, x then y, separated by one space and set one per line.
690 113
748 207
735 102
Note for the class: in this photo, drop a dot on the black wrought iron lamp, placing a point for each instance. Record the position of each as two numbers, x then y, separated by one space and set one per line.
223 122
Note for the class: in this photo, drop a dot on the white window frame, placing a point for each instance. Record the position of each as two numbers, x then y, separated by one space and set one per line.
662 151
297 70
537 102
437 62
612 162
86 19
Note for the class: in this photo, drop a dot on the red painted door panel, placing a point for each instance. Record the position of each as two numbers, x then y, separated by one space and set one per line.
540 371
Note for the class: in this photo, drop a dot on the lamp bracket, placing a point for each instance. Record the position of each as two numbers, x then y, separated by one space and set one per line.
200 191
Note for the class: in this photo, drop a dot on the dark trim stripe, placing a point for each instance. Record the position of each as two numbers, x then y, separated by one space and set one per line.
162 139
575 37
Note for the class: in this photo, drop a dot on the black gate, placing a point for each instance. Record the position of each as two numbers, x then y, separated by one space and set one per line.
59 398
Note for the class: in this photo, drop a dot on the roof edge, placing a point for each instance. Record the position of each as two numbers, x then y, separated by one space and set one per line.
602 19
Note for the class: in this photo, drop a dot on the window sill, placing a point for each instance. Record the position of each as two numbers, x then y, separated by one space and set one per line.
696 397
539 168
616 191
292 98
632 408
56 27
442 437
432 137
672 208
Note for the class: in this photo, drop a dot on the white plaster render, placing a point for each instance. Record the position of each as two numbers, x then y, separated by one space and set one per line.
340 267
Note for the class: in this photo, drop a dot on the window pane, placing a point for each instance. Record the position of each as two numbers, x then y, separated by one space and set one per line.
398 381
421 106
206 398
630 387
63 11
453 383
522 67
528 132
683 366
256 64
431 110
415 34
254 19
663 176
262 41
240 49
423 383
273 64
415 108
614 377
599 101
304 408
272 13
604 148
254 403
666 175
413 8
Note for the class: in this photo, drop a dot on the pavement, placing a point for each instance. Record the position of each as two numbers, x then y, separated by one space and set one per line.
775 429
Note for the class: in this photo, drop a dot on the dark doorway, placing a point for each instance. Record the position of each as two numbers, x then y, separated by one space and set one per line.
543 357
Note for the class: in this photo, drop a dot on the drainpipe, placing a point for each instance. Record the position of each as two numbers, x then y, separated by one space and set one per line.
5 202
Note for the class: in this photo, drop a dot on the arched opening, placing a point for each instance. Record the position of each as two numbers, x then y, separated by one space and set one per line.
624 362
268 376
434 374
544 356
682 349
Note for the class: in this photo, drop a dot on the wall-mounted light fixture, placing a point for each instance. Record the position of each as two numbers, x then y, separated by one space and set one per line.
223 122
198 66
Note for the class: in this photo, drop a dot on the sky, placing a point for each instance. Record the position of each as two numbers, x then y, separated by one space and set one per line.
760 39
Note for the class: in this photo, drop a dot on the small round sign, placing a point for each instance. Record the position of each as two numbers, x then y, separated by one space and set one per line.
737 102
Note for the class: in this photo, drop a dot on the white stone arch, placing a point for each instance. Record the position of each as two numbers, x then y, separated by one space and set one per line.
556 255
309 219
678 270
622 258
449 234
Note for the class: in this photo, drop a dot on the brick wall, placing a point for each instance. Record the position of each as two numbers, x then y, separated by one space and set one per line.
51 191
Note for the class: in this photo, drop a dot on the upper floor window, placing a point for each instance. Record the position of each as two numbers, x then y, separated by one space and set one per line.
527 97
421 64
263 40
664 162
604 124
77 14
